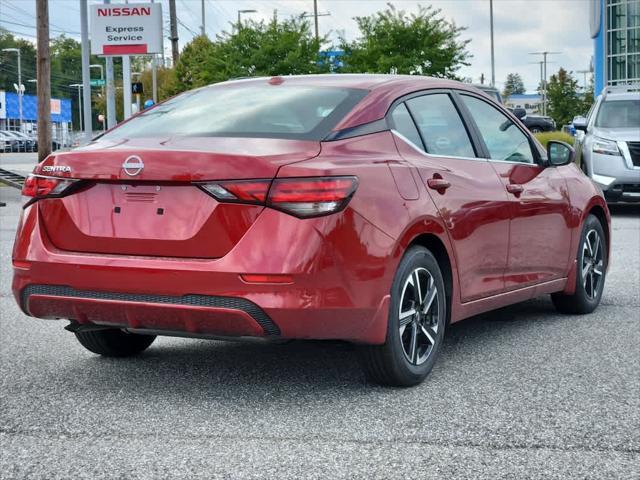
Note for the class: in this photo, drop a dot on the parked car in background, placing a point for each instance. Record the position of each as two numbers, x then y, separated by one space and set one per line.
25 142
373 209
492 92
8 143
535 123
610 144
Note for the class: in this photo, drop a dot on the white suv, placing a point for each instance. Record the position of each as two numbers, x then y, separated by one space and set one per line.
610 145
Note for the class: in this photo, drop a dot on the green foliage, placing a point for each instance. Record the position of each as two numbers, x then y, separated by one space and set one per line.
588 98
254 49
562 94
423 44
9 62
545 137
513 84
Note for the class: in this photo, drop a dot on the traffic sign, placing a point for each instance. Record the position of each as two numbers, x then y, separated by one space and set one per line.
136 88
97 82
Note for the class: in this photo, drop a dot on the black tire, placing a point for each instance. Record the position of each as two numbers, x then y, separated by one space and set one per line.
114 342
390 364
589 284
536 130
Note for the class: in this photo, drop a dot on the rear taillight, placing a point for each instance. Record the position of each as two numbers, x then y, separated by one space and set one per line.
301 197
241 191
36 187
311 197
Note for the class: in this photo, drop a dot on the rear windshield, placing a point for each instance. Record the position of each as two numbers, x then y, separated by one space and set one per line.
246 110
619 114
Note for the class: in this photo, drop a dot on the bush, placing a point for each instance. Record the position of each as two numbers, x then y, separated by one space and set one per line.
544 137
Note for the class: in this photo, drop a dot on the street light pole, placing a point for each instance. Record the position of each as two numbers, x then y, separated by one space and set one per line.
544 76
240 12
20 90
79 85
86 83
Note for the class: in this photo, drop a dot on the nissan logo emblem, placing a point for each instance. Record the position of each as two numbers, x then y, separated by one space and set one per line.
133 165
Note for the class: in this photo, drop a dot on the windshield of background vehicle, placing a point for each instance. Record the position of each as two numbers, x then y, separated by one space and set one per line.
241 110
619 114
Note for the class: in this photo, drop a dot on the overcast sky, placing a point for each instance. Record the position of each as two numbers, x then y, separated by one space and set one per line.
521 26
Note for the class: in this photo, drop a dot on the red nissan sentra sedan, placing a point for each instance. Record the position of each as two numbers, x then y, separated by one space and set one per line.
369 208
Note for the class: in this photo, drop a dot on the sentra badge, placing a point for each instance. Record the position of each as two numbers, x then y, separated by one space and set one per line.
56 169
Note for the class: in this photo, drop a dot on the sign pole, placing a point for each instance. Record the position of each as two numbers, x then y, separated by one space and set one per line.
126 85
111 89
86 81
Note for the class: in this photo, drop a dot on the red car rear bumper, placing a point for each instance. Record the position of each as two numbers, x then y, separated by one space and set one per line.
339 270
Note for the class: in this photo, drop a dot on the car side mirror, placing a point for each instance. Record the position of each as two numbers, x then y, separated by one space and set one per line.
559 153
580 123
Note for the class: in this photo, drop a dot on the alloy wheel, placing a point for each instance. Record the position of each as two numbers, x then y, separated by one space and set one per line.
419 316
592 264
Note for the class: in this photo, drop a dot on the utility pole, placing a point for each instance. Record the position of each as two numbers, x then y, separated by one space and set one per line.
493 62
86 76
315 16
202 28
173 20
44 80
544 76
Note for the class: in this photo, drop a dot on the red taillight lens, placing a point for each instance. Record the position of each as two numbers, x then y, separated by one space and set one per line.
36 186
311 197
242 191
301 197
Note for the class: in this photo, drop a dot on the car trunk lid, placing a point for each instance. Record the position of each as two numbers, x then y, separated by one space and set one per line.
140 197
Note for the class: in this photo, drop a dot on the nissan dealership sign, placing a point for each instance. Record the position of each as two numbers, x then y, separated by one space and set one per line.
126 29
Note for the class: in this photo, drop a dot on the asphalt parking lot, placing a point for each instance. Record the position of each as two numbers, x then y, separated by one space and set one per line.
519 393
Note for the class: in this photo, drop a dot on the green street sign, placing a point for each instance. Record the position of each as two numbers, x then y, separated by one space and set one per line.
97 82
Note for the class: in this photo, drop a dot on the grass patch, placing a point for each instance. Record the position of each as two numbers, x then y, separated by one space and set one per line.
544 137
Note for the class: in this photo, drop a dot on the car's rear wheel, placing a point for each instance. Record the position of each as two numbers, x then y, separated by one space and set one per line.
591 271
114 342
536 130
417 319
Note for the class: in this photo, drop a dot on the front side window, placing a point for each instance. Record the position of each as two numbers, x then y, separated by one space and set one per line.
504 140
440 125
245 110
619 114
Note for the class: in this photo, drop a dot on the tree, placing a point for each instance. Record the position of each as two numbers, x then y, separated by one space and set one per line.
513 84
417 44
562 95
254 49
9 63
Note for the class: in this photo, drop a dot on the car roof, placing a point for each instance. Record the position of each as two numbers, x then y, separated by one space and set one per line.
383 90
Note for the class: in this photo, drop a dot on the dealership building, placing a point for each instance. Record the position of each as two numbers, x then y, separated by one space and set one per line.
615 29
10 115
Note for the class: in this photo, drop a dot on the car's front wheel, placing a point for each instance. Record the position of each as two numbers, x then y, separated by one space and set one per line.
417 320
591 271
114 342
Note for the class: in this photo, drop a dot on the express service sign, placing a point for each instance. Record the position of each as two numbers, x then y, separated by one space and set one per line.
126 29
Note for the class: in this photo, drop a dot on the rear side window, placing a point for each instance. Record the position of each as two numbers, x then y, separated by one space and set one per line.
246 110
504 140
403 124
440 125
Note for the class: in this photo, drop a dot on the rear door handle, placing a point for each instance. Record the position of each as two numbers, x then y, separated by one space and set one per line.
438 184
515 188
